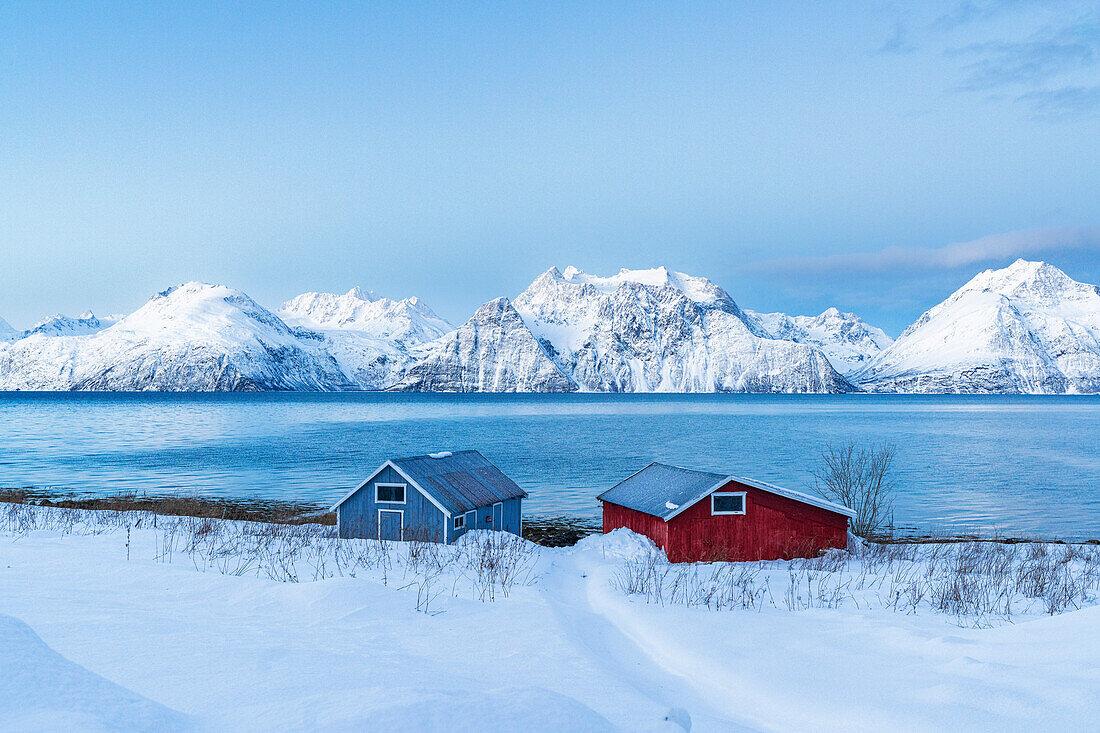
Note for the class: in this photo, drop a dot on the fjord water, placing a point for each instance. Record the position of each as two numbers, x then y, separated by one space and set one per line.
1016 465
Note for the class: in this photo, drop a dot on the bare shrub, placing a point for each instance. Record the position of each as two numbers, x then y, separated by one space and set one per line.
977 583
859 477
496 561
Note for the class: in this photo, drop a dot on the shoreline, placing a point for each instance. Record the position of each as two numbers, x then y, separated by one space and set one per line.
548 530
551 530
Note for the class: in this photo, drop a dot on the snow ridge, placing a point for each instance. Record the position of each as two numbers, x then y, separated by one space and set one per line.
662 331
492 352
372 338
847 340
59 325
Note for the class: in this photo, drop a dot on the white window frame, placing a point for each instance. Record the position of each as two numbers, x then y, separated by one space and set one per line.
404 493
493 514
744 503
459 517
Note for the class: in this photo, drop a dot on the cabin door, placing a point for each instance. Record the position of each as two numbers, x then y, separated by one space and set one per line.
390 524
498 516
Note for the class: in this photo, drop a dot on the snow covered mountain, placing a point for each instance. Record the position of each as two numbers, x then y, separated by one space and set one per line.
192 337
492 352
663 331
372 338
849 341
59 325
1026 328
637 331
408 320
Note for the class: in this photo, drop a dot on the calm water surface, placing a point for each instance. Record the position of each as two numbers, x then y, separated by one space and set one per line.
1018 465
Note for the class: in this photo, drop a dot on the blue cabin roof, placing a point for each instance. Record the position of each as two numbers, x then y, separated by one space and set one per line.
665 491
458 481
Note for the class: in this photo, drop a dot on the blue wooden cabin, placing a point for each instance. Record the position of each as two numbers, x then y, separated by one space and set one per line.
437 497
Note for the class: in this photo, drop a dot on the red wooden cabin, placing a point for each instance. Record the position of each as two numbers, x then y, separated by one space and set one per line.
697 516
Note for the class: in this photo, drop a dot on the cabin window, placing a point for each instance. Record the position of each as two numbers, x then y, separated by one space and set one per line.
460 522
389 493
727 502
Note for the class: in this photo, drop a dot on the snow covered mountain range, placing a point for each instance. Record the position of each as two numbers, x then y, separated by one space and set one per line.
1025 328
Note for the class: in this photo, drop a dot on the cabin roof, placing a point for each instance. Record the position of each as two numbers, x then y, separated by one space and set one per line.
664 491
458 481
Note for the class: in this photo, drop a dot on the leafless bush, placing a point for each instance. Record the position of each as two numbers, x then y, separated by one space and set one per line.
978 583
496 561
859 477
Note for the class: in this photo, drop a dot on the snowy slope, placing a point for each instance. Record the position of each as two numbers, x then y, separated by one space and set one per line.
372 338
40 690
1026 328
327 634
491 352
849 341
192 337
662 331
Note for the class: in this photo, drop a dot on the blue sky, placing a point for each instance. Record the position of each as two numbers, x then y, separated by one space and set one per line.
869 156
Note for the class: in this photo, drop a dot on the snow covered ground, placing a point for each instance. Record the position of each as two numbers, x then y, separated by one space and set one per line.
108 622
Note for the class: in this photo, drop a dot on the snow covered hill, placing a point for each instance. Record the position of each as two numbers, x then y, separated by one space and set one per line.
492 352
372 338
192 337
849 341
663 331
1026 328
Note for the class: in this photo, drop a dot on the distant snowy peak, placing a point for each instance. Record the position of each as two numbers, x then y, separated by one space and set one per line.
7 333
1034 282
1026 328
492 352
358 292
407 320
847 340
662 331
698 289
59 325
194 308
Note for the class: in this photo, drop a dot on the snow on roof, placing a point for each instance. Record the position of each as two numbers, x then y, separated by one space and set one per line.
652 489
458 481
664 491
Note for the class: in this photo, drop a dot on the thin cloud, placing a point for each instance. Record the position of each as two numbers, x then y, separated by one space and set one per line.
897 42
1026 243
970 12
1065 102
1048 64
1036 59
